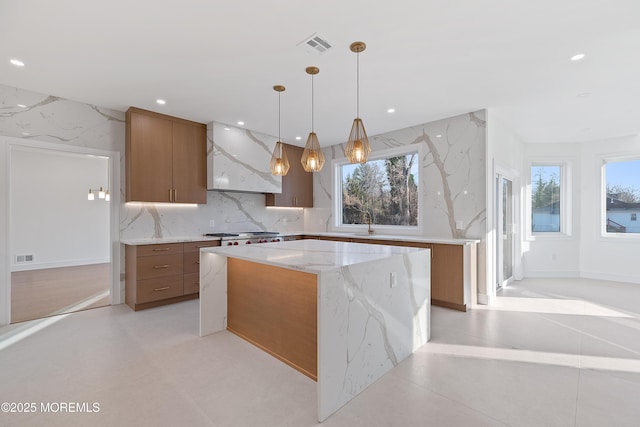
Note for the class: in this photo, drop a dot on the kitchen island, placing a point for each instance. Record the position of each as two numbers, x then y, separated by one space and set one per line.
350 311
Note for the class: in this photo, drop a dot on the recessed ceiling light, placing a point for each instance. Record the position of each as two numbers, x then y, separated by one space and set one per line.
226 128
161 101
438 136
26 133
17 62
298 138
577 57
22 106
241 123
391 110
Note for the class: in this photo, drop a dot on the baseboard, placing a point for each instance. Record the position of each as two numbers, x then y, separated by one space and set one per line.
57 264
551 274
610 277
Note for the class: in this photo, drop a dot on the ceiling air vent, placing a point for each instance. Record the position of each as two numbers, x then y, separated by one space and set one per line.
315 44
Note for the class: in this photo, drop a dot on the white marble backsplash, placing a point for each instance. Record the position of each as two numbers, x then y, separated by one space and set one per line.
229 212
452 178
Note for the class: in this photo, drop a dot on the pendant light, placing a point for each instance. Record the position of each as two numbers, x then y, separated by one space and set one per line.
279 162
358 148
312 157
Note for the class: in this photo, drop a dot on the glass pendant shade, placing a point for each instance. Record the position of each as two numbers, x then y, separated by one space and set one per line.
358 147
279 161
312 157
107 196
101 194
90 196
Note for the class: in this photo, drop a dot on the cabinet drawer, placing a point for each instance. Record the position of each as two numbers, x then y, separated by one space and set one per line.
191 283
191 262
195 246
159 266
159 288
159 249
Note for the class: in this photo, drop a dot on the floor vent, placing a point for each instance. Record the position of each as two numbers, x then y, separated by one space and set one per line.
315 44
24 258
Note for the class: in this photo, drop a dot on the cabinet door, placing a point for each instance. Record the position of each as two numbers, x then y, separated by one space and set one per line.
149 163
189 163
447 274
297 185
301 182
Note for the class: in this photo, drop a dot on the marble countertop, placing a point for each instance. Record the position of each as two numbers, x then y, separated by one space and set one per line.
361 235
312 256
160 241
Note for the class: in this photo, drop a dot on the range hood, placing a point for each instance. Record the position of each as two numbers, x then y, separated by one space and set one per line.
239 160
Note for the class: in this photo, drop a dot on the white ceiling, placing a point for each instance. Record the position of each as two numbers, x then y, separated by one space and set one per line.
430 59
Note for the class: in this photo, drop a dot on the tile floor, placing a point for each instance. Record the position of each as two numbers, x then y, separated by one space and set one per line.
552 352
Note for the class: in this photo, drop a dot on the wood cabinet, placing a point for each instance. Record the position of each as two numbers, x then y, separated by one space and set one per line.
191 264
453 269
165 158
162 274
297 185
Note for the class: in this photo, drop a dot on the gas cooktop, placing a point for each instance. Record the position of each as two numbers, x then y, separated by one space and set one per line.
243 234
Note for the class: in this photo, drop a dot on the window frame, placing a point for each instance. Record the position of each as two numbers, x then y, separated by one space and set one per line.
336 176
604 234
566 202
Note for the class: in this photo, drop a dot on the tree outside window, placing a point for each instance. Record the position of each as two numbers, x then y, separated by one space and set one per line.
384 189
545 198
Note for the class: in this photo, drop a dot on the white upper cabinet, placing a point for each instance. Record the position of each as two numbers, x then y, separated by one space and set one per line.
239 160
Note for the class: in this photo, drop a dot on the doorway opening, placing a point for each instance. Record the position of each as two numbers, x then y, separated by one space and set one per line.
505 230
61 252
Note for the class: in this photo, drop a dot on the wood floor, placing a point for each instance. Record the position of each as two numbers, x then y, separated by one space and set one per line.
42 293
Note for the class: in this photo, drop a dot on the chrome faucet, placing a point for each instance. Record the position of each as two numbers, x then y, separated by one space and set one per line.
370 230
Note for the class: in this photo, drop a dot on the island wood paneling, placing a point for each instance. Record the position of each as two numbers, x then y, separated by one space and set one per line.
275 309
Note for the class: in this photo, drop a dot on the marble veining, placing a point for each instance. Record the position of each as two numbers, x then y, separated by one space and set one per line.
452 178
239 160
367 323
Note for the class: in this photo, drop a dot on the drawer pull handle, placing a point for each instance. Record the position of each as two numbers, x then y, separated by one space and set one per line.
162 289
198 262
160 249
157 267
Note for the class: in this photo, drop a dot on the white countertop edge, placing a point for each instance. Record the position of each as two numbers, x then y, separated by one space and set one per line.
322 248
419 239
163 240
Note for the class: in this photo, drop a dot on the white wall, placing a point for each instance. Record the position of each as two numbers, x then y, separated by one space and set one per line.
51 217
552 255
504 154
613 258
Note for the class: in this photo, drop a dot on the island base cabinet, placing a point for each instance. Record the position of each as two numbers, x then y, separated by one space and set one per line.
275 309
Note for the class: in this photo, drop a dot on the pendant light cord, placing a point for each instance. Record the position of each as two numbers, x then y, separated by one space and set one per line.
312 102
279 93
358 85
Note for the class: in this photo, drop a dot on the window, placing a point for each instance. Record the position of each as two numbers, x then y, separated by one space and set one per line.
622 183
546 198
384 190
